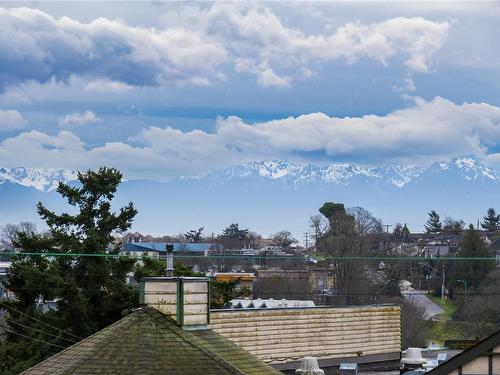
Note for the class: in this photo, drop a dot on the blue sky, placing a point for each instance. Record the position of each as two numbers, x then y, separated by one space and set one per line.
161 90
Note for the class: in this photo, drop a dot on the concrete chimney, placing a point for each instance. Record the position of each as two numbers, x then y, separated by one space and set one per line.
170 260
184 299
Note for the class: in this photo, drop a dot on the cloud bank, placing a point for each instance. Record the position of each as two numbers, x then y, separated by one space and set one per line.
427 131
222 38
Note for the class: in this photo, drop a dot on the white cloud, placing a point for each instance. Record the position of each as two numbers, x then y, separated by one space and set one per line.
76 119
425 132
11 120
204 41
257 36
104 85
37 46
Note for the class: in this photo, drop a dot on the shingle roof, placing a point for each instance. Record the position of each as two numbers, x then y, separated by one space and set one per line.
148 342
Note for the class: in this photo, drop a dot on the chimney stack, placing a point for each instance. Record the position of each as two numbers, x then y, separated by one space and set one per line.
184 299
170 260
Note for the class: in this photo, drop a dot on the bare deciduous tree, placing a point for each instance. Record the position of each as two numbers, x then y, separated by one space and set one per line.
318 224
414 325
9 234
365 222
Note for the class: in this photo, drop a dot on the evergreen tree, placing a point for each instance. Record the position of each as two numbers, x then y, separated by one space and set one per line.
194 235
473 271
90 291
433 224
491 222
234 232
406 234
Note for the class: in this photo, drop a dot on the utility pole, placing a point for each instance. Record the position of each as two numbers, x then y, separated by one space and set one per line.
306 234
387 235
442 287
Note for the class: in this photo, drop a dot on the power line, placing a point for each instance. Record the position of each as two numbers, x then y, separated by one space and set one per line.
40 331
40 321
33 338
281 257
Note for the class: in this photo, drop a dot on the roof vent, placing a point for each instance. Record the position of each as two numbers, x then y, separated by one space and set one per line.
309 366
413 359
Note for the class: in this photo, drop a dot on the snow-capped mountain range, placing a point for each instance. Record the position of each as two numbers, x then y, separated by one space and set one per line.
292 174
398 175
43 179
268 196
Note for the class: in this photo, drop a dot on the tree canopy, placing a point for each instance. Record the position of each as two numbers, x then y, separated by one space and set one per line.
86 284
233 231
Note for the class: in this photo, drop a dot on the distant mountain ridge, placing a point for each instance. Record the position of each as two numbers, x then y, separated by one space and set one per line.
42 179
398 175
268 196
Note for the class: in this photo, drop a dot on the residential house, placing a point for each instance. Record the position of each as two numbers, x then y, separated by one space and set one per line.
4 267
158 249
156 339
482 358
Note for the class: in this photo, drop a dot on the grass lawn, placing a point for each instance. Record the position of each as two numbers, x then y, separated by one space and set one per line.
444 328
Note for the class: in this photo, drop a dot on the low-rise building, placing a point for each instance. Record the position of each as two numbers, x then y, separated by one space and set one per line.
245 279
158 249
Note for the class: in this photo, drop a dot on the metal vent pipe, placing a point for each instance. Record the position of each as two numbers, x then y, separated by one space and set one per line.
170 260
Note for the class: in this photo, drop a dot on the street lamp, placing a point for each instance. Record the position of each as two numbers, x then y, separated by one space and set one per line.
465 289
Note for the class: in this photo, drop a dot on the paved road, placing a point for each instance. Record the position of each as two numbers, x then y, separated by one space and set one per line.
419 298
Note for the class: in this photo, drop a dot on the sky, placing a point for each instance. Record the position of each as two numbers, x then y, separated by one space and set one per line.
163 89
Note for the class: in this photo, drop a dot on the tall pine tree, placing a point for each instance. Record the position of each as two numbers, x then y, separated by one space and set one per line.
491 222
433 224
87 286
473 269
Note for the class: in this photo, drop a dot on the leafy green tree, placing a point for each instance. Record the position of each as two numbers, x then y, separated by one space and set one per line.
491 222
433 224
473 271
329 209
87 284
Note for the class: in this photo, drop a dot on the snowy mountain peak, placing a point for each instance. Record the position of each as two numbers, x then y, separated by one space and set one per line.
470 169
43 179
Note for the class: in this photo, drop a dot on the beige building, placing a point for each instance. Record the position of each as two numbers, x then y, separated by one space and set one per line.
281 337
482 358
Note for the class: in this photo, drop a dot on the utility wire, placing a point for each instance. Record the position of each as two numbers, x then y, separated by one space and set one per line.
40 321
40 331
250 257
33 338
